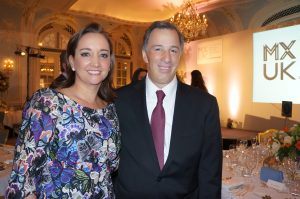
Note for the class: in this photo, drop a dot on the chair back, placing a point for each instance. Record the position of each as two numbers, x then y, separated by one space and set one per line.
3 135
265 135
2 114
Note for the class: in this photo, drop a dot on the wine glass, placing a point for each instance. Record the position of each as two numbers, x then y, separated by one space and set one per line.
254 142
232 147
289 166
242 145
233 157
250 163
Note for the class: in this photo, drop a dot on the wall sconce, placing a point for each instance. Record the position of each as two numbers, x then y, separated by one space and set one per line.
37 55
20 52
30 52
8 65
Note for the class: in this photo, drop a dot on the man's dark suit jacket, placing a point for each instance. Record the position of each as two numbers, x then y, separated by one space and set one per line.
194 166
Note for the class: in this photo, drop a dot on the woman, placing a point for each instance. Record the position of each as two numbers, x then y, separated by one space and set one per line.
138 75
69 140
197 80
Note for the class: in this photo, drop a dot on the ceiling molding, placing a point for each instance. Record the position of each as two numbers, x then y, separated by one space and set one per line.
109 18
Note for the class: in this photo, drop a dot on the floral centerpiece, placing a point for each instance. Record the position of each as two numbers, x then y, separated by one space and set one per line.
286 143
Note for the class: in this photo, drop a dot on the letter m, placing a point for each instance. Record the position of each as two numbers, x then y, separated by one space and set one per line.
269 51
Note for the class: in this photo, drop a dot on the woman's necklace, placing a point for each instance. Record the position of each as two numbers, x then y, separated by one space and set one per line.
83 100
97 104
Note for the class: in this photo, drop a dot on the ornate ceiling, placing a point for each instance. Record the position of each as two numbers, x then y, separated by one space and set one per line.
224 16
144 10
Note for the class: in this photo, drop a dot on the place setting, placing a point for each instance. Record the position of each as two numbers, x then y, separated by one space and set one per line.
256 171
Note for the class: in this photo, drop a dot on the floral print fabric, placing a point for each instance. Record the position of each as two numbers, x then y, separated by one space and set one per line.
65 150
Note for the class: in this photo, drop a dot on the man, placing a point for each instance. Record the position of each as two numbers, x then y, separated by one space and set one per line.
190 164
63 69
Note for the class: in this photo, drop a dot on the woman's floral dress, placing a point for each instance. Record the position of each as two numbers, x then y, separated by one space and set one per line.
65 150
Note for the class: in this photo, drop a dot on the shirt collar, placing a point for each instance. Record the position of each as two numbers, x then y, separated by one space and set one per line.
169 89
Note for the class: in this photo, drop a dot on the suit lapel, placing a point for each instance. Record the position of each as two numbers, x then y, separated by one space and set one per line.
179 114
147 156
144 135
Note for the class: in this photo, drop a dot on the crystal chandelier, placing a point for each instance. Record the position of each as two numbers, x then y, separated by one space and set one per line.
189 22
8 65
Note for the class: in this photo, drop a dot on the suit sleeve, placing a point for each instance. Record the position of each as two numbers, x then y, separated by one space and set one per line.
210 165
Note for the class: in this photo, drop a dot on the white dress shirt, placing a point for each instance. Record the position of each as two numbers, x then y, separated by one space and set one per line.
168 104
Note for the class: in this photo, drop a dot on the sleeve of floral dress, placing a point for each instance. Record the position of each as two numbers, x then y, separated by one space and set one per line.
114 143
30 149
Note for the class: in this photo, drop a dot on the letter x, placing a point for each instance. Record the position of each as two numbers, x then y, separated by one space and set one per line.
287 50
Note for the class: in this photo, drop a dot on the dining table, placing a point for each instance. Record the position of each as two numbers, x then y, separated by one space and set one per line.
6 159
236 186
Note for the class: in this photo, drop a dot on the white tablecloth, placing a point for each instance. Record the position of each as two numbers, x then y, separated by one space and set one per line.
6 156
256 190
252 188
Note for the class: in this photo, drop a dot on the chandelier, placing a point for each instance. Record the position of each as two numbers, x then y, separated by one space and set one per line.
8 65
189 22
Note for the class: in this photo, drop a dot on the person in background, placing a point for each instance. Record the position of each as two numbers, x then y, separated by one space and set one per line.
138 74
171 138
63 69
197 80
69 140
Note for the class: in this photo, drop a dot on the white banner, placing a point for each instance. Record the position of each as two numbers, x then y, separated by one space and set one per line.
276 65
209 52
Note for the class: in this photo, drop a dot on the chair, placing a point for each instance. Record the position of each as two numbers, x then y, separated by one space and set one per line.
2 114
265 135
3 135
16 128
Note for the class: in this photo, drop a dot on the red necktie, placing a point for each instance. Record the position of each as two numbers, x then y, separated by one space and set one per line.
158 127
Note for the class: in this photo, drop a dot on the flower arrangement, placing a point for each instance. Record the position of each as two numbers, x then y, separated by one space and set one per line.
286 143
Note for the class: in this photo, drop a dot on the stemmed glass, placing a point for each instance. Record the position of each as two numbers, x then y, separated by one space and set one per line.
242 145
290 167
232 147
233 158
250 162
254 142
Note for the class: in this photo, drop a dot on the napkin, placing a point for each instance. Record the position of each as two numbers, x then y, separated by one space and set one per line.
267 173
8 161
232 183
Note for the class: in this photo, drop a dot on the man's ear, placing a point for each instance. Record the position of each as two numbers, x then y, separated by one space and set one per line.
145 58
